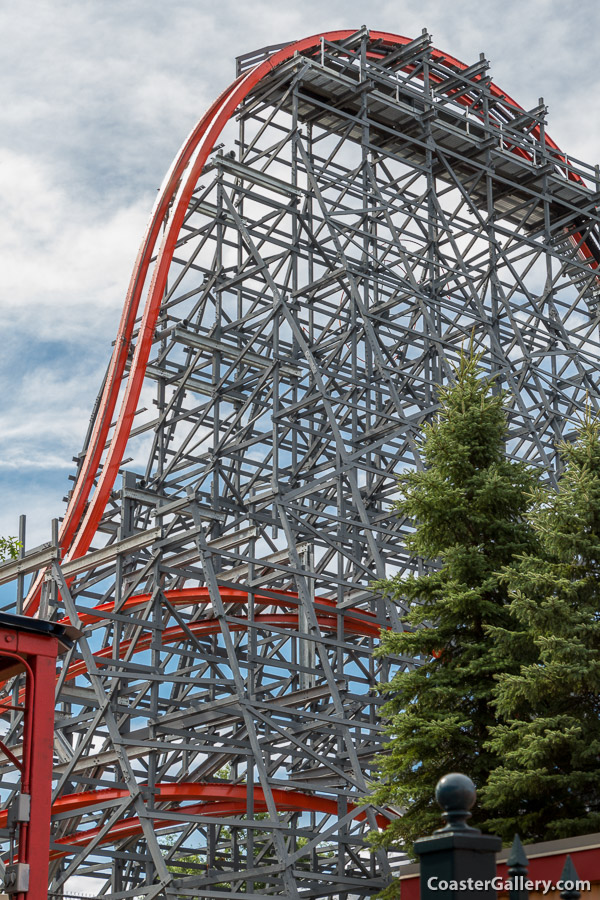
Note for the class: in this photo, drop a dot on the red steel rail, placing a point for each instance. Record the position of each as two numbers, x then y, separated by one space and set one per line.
79 524
216 799
360 622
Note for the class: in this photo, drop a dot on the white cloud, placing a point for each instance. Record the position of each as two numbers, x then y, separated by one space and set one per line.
35 413
65 267
65 270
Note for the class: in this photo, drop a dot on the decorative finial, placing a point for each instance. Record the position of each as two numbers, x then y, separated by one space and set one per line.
456 794
517 861
569 878
518 865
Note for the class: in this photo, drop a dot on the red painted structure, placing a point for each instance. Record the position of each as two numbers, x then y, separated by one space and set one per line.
32 647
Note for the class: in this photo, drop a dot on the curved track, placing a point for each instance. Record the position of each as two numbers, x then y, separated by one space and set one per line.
362 623
80 524
216 799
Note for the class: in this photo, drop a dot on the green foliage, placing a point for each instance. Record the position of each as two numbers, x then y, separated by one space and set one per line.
468 507
184 863
9 548
325 850
189 864
548 785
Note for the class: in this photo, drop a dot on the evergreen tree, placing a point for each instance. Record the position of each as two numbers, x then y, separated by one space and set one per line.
548 785
9 548
468 508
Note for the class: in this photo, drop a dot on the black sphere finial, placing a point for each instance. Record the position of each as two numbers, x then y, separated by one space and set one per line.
456 794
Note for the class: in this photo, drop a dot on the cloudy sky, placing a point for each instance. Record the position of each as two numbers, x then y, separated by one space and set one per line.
97 97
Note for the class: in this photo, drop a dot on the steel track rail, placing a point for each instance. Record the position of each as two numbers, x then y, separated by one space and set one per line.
80 524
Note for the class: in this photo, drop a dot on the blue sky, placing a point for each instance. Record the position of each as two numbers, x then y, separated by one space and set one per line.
97 97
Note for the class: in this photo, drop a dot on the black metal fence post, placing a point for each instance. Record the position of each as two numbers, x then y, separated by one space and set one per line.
458 862
518 865
569 876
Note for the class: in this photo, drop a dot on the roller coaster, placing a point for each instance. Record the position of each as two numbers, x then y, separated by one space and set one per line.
350 211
